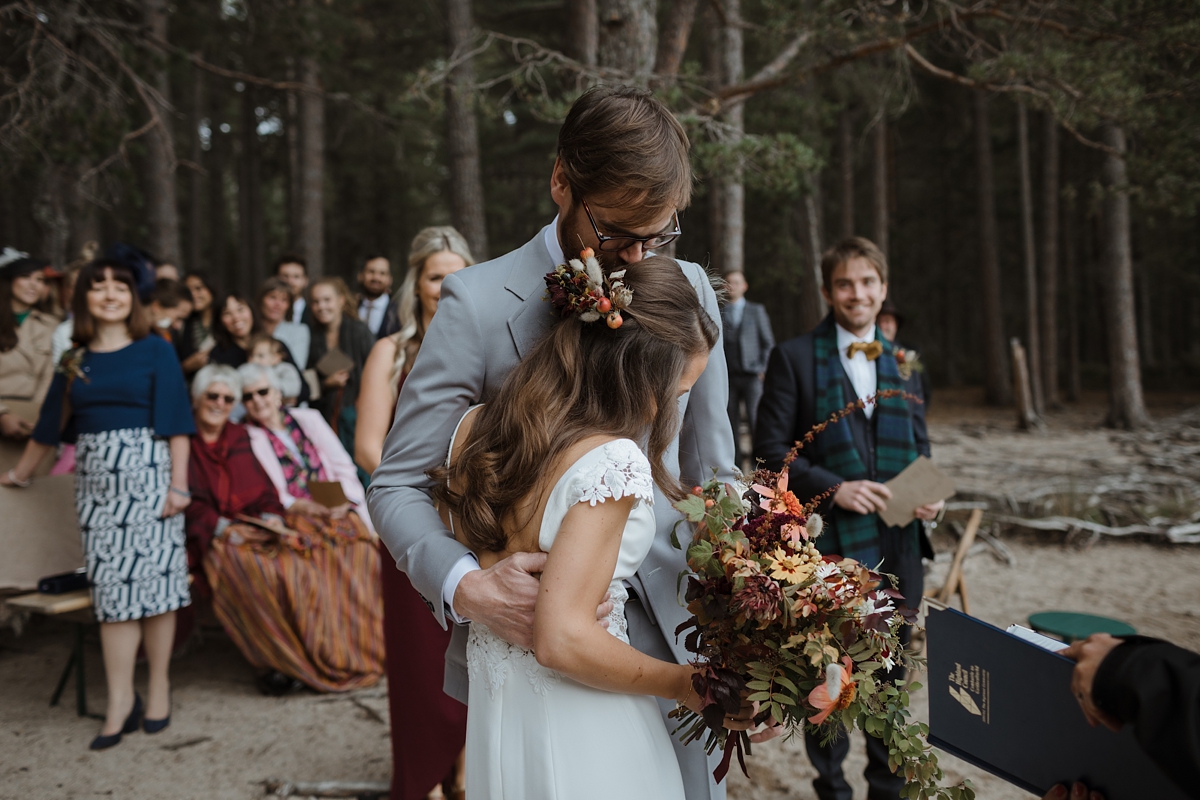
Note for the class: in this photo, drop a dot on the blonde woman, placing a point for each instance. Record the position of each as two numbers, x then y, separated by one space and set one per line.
428 726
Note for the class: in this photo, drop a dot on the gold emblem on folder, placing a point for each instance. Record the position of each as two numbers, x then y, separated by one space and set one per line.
972 688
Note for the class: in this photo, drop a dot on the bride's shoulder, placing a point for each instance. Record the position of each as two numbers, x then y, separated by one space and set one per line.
614 469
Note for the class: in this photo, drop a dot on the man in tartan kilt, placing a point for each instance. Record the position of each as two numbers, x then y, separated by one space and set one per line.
809 378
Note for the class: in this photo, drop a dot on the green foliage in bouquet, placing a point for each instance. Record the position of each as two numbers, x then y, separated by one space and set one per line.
808 635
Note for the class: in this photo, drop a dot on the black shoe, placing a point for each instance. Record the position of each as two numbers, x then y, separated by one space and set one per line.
276 684
131 725
155 725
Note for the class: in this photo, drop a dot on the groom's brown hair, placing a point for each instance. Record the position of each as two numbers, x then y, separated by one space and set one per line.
623 145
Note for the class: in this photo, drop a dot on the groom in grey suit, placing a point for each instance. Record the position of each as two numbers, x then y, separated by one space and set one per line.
621 174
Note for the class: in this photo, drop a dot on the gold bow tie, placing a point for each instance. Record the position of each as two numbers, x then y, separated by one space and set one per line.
872 350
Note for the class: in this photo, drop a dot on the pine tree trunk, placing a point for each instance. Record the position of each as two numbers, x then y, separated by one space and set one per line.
1074 284
1050 234
846 151
50 208
312 167
1128 408
462 135
729 221
162 212
292 134
813 222
998 387
628 36
1032 319
195 257
223 267
673 40
250 207
879 183
583 31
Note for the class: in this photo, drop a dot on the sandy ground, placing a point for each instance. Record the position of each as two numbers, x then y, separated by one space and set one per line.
227 741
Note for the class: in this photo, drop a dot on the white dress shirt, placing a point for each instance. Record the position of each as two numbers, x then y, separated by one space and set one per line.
298 308
371 312
469 563
737 309
859 370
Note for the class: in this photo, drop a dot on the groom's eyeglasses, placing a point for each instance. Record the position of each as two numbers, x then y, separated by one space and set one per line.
615 244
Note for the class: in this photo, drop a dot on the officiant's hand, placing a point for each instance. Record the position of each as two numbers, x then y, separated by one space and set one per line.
862 497
1088 656
1078 792
930 511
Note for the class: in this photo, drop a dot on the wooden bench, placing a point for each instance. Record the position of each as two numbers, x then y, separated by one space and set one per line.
75 607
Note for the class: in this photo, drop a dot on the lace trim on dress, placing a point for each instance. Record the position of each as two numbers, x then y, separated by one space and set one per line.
622 472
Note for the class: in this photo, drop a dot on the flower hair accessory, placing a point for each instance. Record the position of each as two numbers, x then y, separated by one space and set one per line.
580 287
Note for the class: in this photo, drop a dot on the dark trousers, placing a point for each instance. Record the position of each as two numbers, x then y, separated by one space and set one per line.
903 561
744 388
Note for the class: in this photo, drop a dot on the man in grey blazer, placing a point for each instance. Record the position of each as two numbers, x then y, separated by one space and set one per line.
621 174
748 341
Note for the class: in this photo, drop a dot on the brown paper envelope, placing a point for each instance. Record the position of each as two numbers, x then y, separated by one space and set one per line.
920 484
327 493
334 361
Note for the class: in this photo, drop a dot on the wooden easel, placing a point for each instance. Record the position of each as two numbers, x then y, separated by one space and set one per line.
955 582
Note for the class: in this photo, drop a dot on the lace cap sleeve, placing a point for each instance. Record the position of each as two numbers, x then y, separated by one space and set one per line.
622 470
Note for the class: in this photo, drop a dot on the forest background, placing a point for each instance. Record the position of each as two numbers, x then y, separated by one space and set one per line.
1030 167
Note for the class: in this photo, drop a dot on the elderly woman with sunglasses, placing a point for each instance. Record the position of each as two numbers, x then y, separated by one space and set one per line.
295 584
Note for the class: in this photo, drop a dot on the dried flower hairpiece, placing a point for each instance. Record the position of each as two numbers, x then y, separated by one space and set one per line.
580 287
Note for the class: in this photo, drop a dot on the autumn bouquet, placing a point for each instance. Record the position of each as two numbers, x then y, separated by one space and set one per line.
809 635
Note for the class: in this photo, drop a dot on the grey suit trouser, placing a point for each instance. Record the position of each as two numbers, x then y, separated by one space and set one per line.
745 388
694 764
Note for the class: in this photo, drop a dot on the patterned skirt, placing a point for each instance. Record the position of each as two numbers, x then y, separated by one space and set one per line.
136 562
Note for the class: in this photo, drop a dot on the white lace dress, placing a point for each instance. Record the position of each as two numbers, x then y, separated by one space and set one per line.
534 734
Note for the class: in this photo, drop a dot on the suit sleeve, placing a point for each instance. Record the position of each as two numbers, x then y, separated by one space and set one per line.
776 432
766 337
706 438
1156 686
446 378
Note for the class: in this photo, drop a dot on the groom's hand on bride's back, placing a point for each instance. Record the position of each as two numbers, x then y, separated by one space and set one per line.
504 595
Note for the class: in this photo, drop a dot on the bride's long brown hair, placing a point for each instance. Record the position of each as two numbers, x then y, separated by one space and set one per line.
582 379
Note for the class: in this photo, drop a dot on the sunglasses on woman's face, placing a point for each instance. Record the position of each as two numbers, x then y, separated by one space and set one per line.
263 392
217 397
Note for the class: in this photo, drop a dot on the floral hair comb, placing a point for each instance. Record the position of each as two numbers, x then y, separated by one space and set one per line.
580 287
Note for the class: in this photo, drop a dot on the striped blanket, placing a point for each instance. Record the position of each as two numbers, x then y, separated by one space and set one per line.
305 601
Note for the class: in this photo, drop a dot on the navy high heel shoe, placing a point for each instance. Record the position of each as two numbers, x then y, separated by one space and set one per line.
131 725
155 725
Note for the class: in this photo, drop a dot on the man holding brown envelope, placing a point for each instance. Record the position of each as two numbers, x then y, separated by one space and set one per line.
809 378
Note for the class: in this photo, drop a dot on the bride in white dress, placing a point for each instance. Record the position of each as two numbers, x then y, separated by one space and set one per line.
553 464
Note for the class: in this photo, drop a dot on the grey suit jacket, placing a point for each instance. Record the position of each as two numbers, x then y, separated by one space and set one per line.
488 318
748 352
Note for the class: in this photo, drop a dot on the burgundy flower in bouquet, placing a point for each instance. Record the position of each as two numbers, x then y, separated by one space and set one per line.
803 632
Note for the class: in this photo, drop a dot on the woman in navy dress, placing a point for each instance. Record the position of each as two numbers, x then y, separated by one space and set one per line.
127 411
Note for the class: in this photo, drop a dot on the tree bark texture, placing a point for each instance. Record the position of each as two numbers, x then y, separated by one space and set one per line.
583 31
729 222
673 40
812 219
292 134
998 388
51 210
162 212
312 167
1029 250
846 138
195 253
462 134
628 36
251 247
1128 408
1050 233
1074 284
879 183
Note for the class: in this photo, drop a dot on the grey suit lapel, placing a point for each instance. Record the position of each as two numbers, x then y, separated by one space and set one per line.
533 318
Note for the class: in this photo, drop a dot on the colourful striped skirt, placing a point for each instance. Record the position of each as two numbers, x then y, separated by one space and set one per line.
305 602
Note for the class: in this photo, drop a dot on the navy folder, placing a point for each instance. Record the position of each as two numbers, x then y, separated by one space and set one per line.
1005 705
